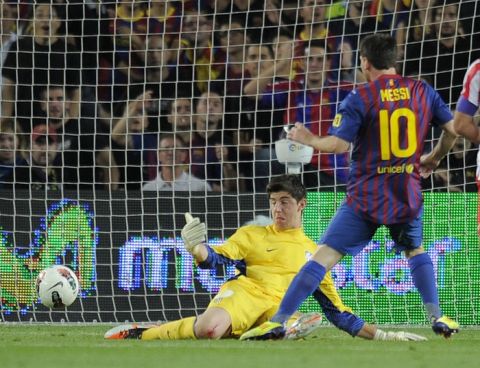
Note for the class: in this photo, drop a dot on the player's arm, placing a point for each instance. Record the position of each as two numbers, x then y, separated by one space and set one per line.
430 161
194 236
465 126
279 68
327 144
341 317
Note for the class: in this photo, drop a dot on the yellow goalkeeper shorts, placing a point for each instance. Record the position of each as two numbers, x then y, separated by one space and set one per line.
249 306
246 304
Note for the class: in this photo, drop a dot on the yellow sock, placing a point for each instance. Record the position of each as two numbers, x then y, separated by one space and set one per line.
176 330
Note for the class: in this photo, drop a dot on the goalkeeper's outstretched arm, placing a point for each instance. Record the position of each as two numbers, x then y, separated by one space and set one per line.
194 236
356 326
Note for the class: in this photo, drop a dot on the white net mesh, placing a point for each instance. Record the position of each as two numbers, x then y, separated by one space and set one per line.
117 117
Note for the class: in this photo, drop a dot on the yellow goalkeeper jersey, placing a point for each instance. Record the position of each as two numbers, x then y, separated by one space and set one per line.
273 257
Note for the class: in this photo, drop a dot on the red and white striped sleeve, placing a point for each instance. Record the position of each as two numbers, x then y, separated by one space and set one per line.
469 100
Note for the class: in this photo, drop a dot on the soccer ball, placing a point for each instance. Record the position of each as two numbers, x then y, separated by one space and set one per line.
57 286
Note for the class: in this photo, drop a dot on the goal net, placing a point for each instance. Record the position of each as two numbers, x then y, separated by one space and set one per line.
104 103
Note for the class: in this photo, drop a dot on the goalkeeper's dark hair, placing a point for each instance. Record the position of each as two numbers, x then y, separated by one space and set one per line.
380 49
289 183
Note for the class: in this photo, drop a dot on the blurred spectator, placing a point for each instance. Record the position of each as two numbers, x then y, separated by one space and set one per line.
36 60
356 24
164 77
261 125
462 163
129 28
312 100
81 145
38 172
456 173
392 16
389 14
8 34
11 146
279 15
173 168
179 120
233 40
314 25
443 58
199 50
164 18
256 129
249 12
144 58
278 67
419 25
81 23
213 155
134 149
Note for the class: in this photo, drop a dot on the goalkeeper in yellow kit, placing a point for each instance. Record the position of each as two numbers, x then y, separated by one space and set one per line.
270 257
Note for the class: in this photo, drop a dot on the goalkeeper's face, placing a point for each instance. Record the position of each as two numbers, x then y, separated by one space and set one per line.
286 210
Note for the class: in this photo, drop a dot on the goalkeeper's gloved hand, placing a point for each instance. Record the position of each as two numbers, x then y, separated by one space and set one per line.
193 234
397 336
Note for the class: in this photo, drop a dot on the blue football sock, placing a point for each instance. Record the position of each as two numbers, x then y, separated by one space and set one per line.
304 284
423 276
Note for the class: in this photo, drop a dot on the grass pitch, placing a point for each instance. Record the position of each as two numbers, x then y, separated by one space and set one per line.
72 346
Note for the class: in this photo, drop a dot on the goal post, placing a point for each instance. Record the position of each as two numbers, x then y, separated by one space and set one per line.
92 93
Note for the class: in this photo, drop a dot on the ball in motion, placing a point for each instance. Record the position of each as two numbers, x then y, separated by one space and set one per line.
57 286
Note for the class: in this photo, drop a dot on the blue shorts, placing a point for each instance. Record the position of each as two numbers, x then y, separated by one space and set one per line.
349 233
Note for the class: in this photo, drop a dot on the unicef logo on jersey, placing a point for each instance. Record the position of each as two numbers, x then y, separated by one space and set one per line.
396 169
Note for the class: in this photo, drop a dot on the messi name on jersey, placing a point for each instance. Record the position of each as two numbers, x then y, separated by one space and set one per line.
395 94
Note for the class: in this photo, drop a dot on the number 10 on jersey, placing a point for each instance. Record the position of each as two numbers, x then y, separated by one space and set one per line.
390 127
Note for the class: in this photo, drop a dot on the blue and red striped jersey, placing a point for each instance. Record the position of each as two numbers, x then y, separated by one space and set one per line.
388 120
316 109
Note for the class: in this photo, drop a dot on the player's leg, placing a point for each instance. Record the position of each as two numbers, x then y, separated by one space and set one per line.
245 304
408 238
306 281
302 324
335 311
214 323
127 331
181 329
175 330
234 308
347 233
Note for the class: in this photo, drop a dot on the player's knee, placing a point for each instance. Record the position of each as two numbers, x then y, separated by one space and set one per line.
209 330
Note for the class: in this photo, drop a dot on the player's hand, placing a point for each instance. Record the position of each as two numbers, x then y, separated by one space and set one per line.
398 336
193 233
427 165
300 134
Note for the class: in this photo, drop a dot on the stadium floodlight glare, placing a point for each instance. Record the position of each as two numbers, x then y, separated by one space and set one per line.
294 155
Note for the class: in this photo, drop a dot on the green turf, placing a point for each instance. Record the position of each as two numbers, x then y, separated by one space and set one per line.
83 346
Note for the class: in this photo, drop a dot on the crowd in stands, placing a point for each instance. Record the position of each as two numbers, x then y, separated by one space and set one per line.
191 95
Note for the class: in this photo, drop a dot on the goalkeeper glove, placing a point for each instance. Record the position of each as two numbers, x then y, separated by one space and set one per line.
397 336
193 234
